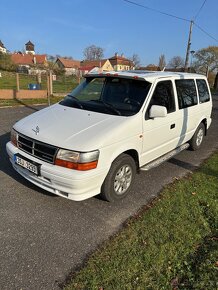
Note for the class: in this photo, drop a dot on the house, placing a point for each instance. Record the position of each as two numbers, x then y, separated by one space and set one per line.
101 64
70 66
85 69
121 63
2 47
29 63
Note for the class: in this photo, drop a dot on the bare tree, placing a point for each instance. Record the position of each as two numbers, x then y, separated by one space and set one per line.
93 52
51 58
162 62
68 57
176 62
136 60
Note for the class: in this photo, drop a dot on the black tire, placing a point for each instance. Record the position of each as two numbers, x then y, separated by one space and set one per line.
120 178
197 139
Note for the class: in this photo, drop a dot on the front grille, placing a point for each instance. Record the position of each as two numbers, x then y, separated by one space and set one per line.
37 149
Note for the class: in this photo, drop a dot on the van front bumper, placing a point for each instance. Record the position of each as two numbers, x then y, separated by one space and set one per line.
71 184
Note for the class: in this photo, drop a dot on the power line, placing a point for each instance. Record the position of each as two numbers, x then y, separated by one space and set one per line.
200 9
205 32
174 16
156 10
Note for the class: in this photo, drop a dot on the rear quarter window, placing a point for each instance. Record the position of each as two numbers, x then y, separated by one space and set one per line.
203 91
186 92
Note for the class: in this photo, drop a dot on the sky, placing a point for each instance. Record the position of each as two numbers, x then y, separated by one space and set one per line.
67 27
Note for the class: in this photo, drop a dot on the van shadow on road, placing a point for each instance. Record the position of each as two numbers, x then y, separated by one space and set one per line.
182 164
192 167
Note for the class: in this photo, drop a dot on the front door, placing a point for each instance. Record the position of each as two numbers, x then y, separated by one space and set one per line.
160 134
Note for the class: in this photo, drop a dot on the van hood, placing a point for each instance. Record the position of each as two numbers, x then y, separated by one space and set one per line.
72 128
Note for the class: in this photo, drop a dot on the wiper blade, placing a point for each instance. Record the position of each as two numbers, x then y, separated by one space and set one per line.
76 101
109 106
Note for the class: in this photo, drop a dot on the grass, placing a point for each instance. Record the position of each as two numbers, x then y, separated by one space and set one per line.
173 245
63 84
27 102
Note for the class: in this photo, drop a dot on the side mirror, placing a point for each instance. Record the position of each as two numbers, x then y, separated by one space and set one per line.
157 111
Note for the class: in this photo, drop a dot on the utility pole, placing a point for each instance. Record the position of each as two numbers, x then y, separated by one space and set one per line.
188 45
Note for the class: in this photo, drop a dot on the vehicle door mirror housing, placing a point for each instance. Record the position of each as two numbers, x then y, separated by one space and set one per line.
157 111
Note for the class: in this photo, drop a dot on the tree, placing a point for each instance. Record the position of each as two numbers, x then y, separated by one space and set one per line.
215 86
55 68
68 57
6 62
136 60
51 58
162 62
93 52
206 59
176 62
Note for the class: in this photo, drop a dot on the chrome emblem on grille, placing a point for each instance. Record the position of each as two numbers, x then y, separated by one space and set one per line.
36 130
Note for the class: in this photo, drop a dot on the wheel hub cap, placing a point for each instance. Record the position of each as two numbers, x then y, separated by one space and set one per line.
123 179
200 136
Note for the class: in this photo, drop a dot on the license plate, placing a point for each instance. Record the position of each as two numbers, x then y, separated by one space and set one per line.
26 164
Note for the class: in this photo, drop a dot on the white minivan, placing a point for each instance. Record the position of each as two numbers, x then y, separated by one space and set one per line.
109 128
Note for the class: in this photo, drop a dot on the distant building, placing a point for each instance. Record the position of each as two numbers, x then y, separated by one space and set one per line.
29 63
2 47
87 69
30 48
101 64
150 67
70 66
121 63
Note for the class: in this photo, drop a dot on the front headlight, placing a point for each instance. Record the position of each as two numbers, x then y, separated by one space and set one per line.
77 160
14 137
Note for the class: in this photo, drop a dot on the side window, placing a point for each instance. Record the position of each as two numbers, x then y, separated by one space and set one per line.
163 96
203 91
186 92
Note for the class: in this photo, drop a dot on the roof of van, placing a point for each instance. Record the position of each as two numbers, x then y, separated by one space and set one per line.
147 75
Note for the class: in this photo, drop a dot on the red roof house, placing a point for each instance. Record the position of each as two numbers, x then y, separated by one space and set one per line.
28 59
70 66
121 63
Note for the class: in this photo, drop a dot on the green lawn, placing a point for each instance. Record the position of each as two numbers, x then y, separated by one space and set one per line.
8 80
63 84
171 244
26 102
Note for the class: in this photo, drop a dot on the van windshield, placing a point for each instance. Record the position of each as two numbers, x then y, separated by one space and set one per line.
109 95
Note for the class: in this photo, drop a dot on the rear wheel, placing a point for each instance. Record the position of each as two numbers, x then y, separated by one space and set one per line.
120 178
197 139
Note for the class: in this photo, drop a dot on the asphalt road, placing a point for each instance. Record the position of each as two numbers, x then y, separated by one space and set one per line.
43 237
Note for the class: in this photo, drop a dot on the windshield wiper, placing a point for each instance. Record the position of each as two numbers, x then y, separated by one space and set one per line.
76 101
109 106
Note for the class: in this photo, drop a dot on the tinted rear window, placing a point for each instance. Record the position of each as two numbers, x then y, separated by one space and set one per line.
203 91
186 92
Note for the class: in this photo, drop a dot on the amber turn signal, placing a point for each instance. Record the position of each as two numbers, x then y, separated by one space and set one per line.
76 166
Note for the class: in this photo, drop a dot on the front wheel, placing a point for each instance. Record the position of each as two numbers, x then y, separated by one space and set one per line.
197 139
120 178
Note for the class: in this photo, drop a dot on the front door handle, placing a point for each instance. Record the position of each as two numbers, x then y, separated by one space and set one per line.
172 126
